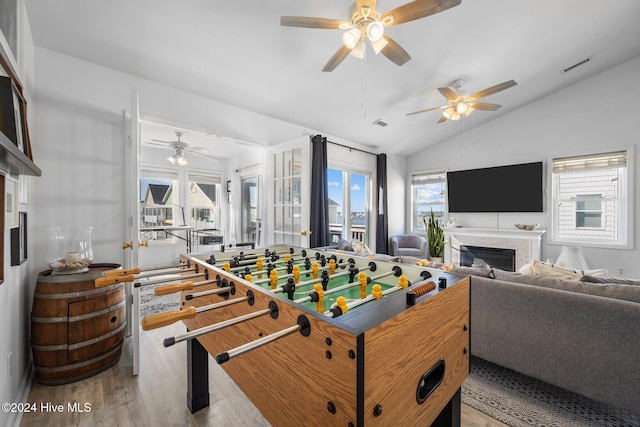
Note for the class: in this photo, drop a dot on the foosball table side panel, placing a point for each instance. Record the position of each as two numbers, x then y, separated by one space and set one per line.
294 379
398 352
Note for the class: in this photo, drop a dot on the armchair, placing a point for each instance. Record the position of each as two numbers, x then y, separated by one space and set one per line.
409 245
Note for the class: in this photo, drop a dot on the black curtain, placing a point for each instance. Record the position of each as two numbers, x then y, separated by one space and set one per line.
382 225
319 224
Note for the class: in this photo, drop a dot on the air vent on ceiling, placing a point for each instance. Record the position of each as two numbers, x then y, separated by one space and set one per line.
380 123
576 65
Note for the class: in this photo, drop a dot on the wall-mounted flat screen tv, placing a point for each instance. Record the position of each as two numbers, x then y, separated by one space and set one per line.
513 188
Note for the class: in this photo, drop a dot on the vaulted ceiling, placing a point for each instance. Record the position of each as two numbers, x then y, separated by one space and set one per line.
236 52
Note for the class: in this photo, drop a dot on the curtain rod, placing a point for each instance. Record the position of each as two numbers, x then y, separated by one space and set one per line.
351 148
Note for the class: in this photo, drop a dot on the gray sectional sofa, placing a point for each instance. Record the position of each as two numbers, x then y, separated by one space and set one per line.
578 335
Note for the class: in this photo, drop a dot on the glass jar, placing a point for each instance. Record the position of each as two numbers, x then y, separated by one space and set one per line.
70 253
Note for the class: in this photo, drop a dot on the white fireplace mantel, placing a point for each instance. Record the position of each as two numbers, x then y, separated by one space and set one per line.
527 244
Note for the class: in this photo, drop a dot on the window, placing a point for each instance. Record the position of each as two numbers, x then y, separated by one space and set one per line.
427 193
204 197
157 209
589 211
592 199
348 205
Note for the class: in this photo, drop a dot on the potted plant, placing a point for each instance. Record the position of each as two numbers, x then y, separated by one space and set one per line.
435 237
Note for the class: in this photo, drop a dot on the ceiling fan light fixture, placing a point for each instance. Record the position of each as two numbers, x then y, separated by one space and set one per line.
358 50
172 159
461 107
351 38
181 160
375 30
447 113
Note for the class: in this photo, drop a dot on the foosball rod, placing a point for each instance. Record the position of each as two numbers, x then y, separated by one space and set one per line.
186 286
163 319
225 289
370 297
256 255
307 272
171 279
138 270
237 268
352 284
220 325
317 280
175 270
303 326
102 282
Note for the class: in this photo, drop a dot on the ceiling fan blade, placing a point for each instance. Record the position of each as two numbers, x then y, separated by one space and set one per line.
394 51
201 149
416 10
308 22
448 93
485 106
428 109
212 159
442 119
337 58
159 140
494 89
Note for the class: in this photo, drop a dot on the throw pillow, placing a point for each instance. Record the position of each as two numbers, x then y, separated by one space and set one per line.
344 245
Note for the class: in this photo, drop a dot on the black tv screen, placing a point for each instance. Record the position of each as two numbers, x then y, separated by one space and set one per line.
513 188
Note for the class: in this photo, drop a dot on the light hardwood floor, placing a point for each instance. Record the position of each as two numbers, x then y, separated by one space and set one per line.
157 396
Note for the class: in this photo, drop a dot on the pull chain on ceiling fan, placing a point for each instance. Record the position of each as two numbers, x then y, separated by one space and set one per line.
367 23
458 103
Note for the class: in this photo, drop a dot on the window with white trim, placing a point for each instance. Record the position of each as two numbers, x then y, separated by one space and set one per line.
427 194
591 199
158 191
204 200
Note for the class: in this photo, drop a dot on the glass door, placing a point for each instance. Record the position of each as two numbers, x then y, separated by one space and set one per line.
291 214
249 221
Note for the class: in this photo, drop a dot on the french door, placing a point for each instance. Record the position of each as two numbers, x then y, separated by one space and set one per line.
291 185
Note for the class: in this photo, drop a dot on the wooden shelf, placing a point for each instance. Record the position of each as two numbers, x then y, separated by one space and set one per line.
14 161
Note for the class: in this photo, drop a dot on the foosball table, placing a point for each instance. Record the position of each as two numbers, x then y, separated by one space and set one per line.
316 337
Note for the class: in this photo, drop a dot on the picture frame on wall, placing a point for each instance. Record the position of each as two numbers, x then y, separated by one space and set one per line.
11 214
19 241
13 119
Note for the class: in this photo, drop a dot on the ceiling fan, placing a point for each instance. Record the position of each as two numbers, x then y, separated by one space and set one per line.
367 22
458 103
180 148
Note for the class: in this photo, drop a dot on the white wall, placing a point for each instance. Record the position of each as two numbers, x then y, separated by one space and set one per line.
15 296
588 116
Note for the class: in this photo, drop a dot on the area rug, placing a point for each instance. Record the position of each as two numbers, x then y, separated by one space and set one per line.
519 400
152 304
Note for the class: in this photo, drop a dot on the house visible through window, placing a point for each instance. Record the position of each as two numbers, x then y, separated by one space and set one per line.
592 199
428 193
204 196
157 208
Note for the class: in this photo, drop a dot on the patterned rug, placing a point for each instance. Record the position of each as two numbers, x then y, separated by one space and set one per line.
519 400
151 304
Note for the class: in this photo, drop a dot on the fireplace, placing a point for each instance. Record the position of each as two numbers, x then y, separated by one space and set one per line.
481 256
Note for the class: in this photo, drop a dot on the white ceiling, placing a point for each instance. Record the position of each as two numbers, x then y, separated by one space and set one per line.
236 52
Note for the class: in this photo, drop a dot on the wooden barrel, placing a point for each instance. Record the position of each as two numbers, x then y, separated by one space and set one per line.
77 330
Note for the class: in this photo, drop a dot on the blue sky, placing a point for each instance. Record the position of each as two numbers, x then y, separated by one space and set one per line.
358 189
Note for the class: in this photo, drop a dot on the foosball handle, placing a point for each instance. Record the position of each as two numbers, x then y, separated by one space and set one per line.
122 272
170 289
102 282
163 319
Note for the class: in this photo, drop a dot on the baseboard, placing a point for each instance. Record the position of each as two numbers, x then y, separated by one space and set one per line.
23 393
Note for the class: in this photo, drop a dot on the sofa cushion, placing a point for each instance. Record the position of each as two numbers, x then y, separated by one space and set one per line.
598 279
608 290
473 271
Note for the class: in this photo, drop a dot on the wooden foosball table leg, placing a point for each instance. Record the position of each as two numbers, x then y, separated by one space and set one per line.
197 376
